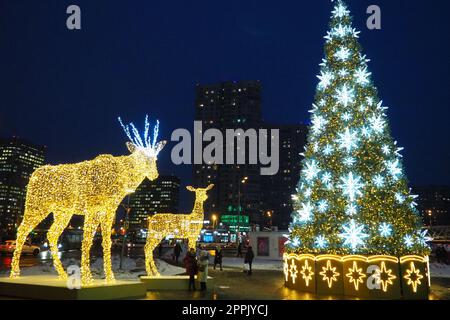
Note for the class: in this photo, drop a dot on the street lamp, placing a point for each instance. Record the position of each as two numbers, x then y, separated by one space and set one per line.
214 218
430 215
244 179
269 214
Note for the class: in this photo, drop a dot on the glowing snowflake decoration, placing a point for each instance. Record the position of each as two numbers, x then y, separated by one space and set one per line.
342 54
321 242
400 198
295 242
366 132
345 95
351 209
351 186
340 11
362 76
348 140
318 123
343 72
308 193
394 169
409 241
424 238
385 149
369 101
311 170
385 229
349 161
340 31
377 123
346 116
328 150
322 206
378 181
325 79
304 214
326 178
353 235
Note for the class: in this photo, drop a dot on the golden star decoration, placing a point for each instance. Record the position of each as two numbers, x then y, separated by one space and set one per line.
286 268
307 273
293 271
356 275
329 274
413 276
384 276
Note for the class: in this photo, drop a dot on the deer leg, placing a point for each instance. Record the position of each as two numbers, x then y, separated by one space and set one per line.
61 220
106 243
150 246
30 220
89 229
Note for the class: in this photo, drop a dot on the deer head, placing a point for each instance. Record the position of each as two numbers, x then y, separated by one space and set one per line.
200 193
145 149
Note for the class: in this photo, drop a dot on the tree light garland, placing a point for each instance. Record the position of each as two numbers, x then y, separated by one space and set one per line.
93 188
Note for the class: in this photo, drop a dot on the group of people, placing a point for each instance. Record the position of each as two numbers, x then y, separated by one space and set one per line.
197 267
197 264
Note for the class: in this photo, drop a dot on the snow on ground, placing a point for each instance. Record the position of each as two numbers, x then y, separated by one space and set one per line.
258 264
439 270
131 268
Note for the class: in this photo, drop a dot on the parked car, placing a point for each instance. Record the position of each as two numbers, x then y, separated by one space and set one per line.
10 245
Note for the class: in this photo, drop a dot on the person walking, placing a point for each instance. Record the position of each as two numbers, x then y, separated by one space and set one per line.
218 257
249 255
203 269
176 252
239 250
190 263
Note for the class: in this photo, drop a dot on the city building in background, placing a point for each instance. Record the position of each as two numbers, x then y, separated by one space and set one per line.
240 189
18 160
433 202
230 105
159 196
278 189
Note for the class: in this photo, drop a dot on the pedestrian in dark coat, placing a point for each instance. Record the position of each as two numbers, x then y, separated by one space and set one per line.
239 250
218 257
177 251
190 263
249 255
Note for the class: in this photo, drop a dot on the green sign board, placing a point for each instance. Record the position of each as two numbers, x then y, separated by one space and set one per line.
233 220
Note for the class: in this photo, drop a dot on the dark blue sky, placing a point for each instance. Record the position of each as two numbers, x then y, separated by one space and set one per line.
65 89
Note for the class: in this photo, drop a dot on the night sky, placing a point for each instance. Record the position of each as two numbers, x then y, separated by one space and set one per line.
65 88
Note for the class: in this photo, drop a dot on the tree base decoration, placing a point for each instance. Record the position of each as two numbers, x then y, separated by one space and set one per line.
368 277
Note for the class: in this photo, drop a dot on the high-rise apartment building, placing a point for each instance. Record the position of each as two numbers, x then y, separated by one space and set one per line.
230 105
158 196
278 189
18 160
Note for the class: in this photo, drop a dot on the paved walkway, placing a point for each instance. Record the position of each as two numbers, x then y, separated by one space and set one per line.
232 284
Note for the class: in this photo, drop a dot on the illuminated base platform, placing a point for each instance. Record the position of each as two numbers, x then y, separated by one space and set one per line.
52 288
367 277
172 283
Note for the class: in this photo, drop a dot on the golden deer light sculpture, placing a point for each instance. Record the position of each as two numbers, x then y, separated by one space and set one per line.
183 226
93 188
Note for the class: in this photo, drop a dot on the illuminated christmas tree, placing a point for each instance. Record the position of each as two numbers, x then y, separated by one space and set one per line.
353 196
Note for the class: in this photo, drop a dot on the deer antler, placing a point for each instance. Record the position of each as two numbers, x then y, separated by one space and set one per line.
146 141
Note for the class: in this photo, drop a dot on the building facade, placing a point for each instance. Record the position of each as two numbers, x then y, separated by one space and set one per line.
433 203
18 160
158 196
237 105
230 105
278 189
